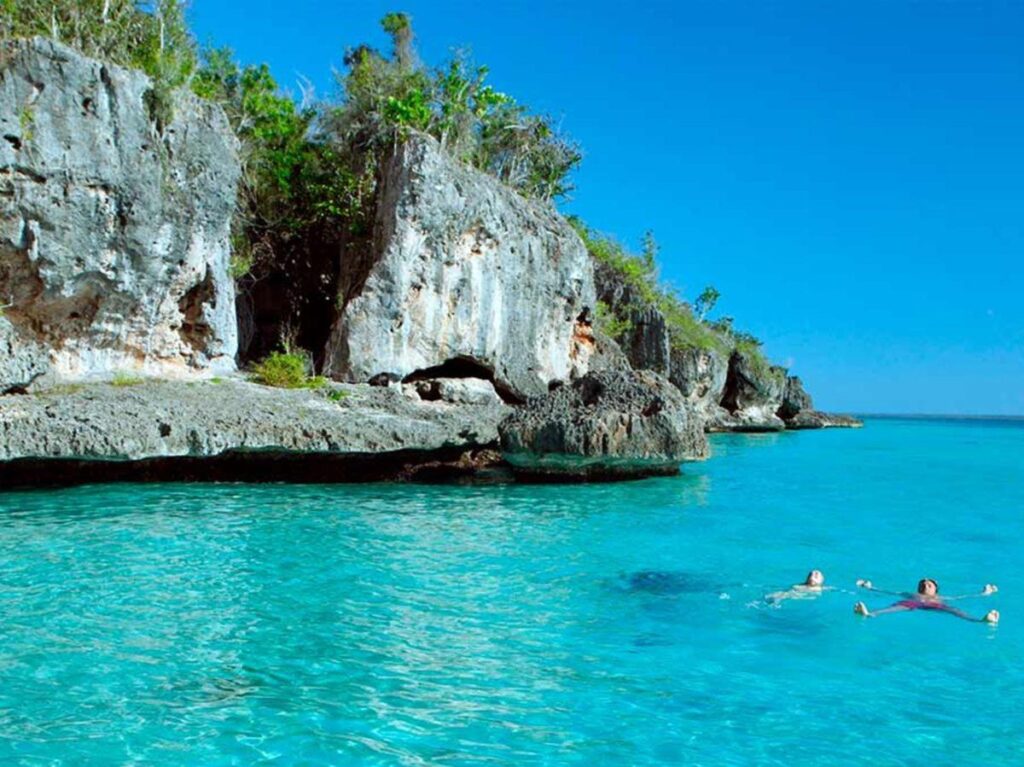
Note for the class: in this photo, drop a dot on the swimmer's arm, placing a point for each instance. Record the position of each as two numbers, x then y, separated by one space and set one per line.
870 587
989 590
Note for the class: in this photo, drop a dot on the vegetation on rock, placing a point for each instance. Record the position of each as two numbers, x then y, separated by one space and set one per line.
152 37
638 276
286 370
310 170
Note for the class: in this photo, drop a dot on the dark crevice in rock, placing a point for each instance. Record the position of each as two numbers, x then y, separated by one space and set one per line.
21 387
440 465
467 367
195 330
731 392
14 141
32 175
112 104
295 296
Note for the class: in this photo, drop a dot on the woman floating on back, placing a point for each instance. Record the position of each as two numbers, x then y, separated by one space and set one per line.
926 598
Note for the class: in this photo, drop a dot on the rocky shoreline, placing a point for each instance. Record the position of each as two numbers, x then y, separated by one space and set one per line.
463 339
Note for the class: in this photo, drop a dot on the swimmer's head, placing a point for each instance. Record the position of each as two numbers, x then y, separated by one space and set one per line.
815 578
928 587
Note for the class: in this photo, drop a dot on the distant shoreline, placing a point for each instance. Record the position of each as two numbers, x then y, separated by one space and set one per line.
941 417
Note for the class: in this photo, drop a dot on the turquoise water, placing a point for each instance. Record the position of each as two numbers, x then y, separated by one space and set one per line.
604 624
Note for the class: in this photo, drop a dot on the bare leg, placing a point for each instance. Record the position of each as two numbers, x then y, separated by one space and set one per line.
861 609
889 609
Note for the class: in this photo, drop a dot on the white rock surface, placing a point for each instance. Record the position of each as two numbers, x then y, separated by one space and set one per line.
465 269
114 245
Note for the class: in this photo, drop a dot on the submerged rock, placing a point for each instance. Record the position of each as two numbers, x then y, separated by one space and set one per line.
114 230
606 424
464 269
673 583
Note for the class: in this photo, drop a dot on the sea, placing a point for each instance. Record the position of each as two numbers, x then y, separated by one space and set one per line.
596 624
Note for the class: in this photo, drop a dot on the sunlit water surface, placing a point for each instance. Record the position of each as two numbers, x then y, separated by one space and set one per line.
603 624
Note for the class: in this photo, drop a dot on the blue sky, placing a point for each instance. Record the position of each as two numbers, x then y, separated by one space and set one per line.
850 175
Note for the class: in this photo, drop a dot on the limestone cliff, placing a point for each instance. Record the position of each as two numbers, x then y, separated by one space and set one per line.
700 374
114 241
752 396
729 389
465 273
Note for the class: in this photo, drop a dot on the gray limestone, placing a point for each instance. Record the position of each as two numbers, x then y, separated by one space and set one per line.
464 268
114 242
153 419
700 374
610 423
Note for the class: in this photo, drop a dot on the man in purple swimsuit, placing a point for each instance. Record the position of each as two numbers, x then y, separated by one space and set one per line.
926 598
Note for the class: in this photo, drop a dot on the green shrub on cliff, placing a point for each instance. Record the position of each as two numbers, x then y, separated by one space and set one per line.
638 274
152 37
686 329
609 323
384 97
750 347
286 370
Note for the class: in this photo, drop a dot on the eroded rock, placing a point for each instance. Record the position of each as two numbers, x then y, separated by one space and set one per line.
464 268
752 395
114 232
101 422
794 399
814 419
458 391
606 424
700 374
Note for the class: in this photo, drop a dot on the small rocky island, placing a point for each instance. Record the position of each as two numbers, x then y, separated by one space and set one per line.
465 333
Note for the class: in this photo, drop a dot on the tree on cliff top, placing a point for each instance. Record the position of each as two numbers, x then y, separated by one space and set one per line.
385 97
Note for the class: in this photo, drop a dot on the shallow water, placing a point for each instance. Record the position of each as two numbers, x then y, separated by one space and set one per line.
602 624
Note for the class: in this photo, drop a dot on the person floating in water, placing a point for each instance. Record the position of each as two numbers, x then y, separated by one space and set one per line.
926 598
813 585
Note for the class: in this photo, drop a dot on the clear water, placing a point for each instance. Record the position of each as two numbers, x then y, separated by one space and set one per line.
615 624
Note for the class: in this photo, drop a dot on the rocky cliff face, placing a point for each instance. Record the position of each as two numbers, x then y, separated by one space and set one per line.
113 235
466 274
624 423
729 390
752 396
700 374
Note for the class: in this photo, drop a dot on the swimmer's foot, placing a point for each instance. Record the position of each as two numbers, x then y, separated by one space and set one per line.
862 609
992 617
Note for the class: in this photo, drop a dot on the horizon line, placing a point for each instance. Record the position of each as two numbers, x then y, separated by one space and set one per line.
965 416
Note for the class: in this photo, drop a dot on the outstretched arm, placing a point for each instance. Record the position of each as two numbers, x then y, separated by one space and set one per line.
992 616
865 584
989 590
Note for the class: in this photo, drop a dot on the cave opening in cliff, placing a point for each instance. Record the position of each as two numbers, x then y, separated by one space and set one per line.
731 390
290 299
467 367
